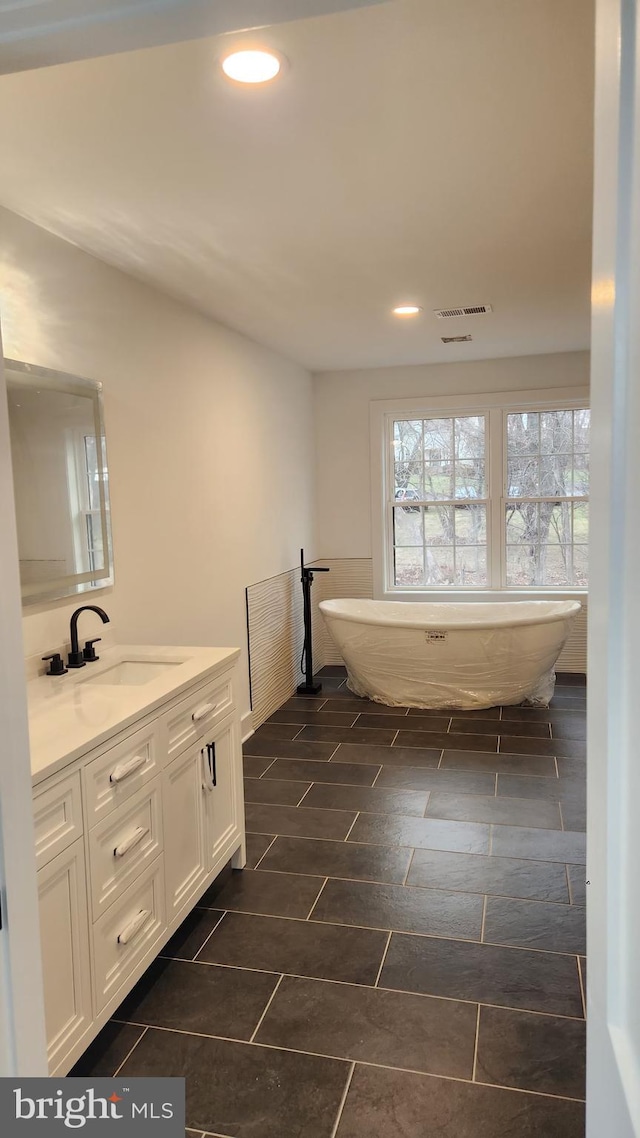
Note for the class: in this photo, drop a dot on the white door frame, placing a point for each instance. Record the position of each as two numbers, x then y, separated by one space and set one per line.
614 657
22 1032
613 773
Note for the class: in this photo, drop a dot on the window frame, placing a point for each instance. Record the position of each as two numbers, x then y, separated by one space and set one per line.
494 406
77 476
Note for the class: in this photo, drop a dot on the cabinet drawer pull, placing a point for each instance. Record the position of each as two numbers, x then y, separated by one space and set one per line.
134 926
130 842
200 712
125 769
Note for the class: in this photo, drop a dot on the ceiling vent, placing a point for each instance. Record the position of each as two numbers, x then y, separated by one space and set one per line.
472 310
455 339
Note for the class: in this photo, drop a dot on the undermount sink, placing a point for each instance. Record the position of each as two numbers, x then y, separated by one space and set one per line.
130 673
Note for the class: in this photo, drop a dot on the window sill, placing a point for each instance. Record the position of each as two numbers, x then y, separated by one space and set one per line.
462 595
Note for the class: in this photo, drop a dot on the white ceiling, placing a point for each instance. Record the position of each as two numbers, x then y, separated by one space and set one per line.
37 33
430 150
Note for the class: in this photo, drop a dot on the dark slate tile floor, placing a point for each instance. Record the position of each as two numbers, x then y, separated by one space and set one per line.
403 952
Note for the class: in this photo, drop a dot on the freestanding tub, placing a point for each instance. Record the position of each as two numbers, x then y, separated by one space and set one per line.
437 654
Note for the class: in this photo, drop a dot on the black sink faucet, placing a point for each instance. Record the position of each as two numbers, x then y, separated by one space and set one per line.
78 659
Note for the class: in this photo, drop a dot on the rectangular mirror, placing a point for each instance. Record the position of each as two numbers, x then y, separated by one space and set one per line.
61 484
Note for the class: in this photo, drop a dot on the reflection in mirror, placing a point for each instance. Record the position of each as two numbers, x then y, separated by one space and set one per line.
60 481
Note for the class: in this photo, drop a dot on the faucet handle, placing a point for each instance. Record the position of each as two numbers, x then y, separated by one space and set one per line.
89 651
56 667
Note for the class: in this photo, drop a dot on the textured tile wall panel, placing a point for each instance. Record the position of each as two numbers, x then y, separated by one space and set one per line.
573 657
275 631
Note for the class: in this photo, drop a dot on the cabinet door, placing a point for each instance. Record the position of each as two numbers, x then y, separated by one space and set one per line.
186 863
64 935
223 798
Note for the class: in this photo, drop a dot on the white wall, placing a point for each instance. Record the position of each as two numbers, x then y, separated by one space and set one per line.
209 438
341 415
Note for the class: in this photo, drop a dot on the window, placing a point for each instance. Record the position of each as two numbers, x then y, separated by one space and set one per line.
440 538
84 486
491 498
546 511
90 503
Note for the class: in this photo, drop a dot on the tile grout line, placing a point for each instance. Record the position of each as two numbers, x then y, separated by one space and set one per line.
562 817
343 1100
409 932
395 737
583 990
475 1046
216 926
406 876
260 859
370 987
310 787
566 871
362 1062
384 957
434 849
495 791
417 793
129 1053
484 917
267 768
358 813
407 766
400 885
269 1002
308 916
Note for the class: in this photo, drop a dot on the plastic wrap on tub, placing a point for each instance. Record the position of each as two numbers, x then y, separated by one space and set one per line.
450 668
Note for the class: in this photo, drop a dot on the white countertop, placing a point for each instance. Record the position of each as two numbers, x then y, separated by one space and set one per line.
68 715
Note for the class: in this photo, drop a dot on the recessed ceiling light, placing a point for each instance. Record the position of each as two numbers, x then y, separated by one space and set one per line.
251 66
407 310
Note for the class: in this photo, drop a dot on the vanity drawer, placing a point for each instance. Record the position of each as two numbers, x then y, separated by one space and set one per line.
120 772
190 719
123 844
126 934
57 816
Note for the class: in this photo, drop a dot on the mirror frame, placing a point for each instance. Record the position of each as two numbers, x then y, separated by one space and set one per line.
57 588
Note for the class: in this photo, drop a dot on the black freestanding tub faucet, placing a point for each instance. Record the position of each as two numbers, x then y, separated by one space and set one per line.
310 686
77 658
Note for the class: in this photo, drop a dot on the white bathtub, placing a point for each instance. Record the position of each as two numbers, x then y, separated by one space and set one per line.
450 655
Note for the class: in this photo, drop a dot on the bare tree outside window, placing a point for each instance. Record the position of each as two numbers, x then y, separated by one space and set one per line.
547 519
439 476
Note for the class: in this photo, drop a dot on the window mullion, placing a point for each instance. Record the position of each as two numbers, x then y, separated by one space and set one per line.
495 511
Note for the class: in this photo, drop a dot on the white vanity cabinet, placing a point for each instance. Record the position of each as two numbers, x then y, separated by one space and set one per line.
128 838
183 798
64 934
223 796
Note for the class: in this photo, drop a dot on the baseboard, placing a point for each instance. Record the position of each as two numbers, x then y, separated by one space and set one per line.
246 725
